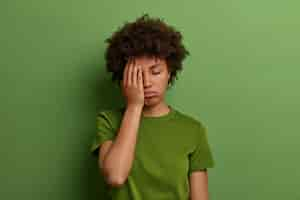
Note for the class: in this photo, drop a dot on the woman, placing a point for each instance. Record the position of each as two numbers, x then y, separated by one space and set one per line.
148 150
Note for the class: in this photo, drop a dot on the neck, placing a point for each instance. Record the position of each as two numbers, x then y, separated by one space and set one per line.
156 110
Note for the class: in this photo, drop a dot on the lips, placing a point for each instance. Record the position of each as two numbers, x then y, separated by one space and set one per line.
150 94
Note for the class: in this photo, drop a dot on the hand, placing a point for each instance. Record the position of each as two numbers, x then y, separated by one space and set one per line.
132 84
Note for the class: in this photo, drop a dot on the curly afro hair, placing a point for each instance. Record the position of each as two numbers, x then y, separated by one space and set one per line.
145 37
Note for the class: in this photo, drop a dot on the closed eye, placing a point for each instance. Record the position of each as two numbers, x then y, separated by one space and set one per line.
156 72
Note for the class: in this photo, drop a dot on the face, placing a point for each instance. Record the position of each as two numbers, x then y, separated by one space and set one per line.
155 78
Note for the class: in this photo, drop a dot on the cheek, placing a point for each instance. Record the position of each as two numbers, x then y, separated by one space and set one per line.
165 79
162 82
162 78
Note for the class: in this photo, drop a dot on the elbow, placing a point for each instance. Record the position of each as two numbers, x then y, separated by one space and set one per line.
115 181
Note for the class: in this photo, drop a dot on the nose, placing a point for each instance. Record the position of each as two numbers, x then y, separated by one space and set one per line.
146 80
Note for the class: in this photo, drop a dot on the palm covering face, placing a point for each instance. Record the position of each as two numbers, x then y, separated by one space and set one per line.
132 84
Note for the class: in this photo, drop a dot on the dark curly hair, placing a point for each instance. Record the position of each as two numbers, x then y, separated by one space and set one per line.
145 37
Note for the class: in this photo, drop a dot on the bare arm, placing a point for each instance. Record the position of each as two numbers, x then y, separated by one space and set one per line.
118 158
199 185
117 161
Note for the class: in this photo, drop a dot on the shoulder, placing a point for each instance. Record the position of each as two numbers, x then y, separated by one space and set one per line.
112 116
109 112
190 119
192 123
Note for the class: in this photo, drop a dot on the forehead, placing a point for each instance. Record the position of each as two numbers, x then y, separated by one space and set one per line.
147 61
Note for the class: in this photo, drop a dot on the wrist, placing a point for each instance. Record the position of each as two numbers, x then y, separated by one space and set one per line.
134 107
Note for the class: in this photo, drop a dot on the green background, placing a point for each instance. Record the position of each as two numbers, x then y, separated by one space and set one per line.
241 79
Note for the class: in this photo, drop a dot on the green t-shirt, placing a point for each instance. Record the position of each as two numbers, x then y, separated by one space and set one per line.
168 149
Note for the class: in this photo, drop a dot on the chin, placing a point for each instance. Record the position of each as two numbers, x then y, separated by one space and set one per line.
151 102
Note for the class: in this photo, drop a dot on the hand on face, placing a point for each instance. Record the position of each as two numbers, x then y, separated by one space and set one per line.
132 84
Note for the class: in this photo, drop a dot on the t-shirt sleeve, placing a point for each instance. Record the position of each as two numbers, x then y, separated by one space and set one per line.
201 158
104 132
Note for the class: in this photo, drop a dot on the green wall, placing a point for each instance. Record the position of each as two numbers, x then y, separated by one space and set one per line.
241 79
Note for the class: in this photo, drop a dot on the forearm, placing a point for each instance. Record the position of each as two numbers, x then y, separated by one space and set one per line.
199 186
118 161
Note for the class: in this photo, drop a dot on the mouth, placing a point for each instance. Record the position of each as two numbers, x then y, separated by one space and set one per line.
150 95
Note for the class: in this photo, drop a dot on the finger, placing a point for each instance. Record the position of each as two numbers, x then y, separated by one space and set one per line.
125 78
134 75
129 71
140 79
133 71
129 74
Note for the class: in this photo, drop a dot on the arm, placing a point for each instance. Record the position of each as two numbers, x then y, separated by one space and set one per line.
118 159
199 185
117 156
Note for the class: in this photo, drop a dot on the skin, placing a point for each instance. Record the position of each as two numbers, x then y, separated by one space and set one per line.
142 75
155 76
199 185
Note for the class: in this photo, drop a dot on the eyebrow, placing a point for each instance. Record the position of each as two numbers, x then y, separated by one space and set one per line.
155 65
